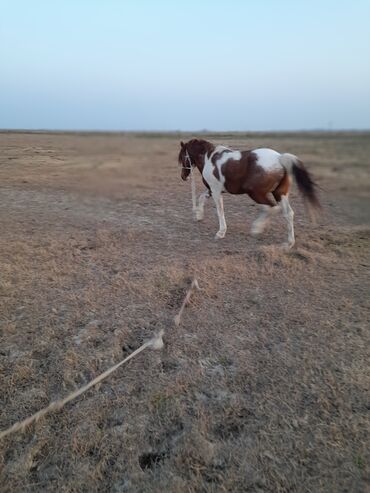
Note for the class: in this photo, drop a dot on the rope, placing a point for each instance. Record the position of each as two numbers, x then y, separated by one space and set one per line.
190 166
194 285
155 343
193 189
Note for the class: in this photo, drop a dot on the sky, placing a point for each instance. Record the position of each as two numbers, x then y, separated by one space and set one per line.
218 65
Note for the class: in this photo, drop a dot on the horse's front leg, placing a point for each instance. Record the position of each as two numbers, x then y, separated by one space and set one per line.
199 211
221 216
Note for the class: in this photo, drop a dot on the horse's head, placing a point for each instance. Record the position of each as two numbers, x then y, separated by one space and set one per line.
185 161
192 154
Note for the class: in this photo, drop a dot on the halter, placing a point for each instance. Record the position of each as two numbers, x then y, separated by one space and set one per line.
188 163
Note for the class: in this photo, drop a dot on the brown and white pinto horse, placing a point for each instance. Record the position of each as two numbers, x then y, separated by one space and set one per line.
264 174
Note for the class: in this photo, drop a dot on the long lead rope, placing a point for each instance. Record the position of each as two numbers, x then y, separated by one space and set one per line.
192 180
193 190
155 343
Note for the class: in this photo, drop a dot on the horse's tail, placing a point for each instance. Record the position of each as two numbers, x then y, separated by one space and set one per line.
302 177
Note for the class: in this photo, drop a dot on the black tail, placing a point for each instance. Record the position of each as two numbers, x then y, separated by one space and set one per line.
305 183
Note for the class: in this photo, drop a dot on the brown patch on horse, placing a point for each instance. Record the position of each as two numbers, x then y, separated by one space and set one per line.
238 173
282 188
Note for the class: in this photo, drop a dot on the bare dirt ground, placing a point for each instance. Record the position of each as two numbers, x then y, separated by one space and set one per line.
263 388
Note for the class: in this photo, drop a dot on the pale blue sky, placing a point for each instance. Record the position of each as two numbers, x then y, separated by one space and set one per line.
188 65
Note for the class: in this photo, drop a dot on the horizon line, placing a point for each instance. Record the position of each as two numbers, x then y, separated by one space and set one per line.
182 131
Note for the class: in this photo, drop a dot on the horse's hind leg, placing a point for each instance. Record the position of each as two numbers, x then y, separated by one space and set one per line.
259 224
289 216
269 206
281 196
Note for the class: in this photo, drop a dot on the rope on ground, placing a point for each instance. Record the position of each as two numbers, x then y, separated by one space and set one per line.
155 343
194 285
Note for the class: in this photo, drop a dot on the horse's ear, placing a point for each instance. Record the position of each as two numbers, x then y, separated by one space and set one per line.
182 144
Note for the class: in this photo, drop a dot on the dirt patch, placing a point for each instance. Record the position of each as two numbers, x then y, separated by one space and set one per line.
263 386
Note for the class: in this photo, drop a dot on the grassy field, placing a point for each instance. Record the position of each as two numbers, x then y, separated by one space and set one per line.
263 388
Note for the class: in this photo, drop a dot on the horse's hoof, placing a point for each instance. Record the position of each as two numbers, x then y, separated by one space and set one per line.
199 217
219 235
256 230
287 246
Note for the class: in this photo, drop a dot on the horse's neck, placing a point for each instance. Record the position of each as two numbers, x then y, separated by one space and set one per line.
200 164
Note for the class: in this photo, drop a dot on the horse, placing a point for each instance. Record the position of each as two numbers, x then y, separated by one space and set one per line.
263 174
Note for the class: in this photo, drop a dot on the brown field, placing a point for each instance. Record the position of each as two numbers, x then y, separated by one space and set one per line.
263 388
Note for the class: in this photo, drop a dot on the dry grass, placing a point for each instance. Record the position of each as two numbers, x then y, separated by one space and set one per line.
262 388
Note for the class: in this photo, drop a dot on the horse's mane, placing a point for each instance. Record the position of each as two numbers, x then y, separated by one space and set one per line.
196 147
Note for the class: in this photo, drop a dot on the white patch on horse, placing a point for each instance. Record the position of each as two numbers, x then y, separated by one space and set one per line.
268 159
216 185
220 148
229 154
287 160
